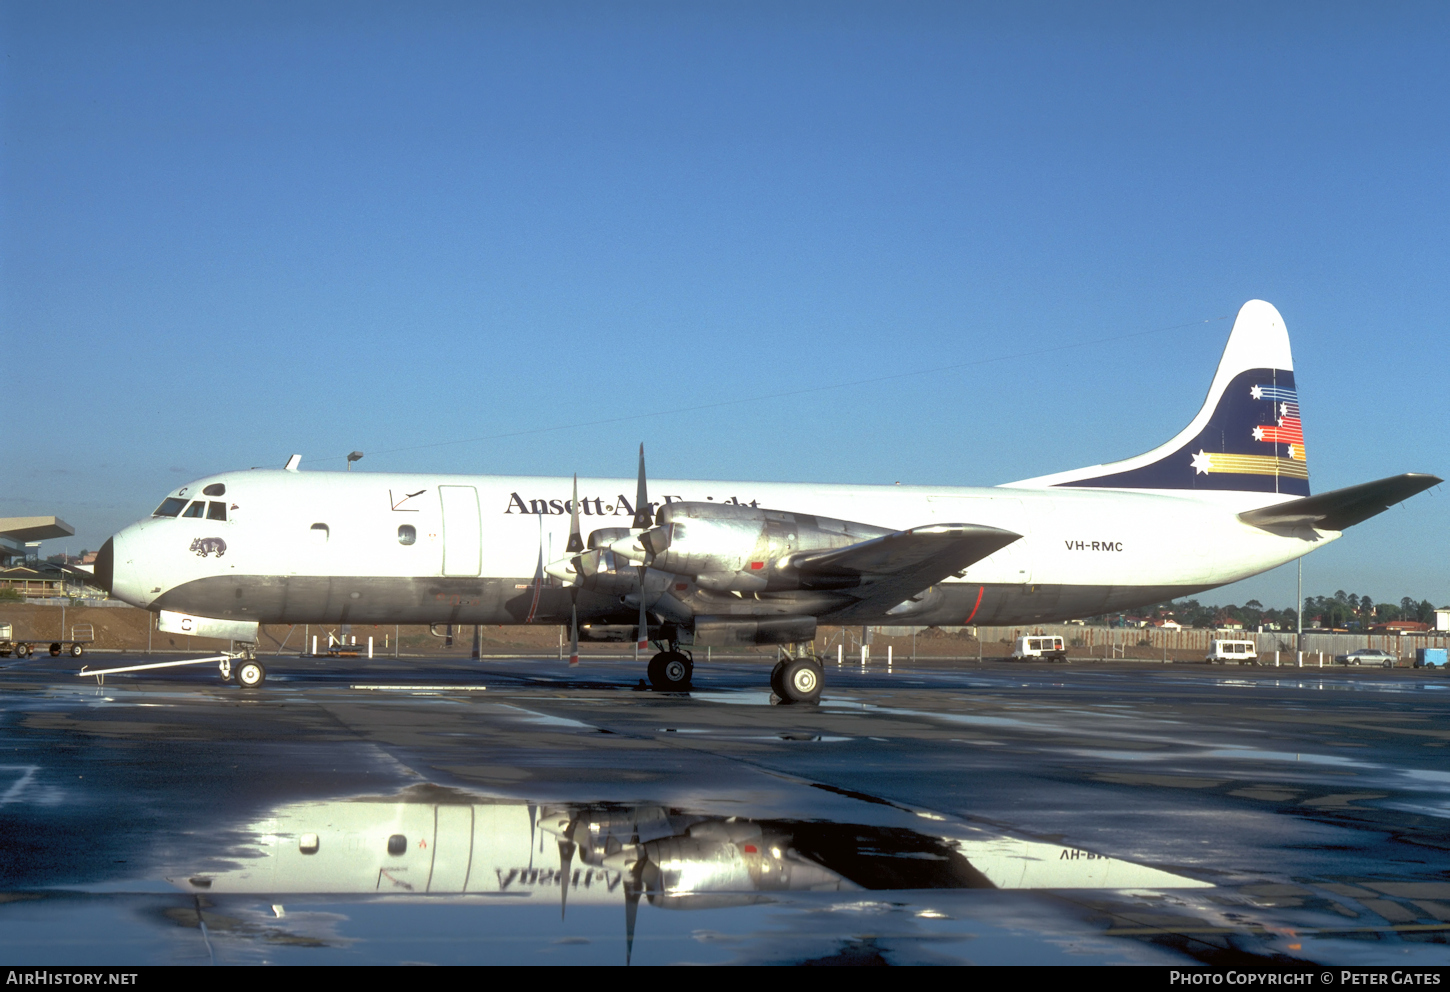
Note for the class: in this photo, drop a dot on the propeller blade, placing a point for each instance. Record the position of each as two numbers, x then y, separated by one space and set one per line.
643 616
538 576
576 540
574 632
643 518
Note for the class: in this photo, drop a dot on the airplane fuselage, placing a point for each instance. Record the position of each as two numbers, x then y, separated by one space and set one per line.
362 547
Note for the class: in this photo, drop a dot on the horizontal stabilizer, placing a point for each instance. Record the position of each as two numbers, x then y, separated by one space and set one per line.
898 566
1342 508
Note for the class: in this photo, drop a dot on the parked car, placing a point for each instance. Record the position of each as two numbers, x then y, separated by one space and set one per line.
1367 656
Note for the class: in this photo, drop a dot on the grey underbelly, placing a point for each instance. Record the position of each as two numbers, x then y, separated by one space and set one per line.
324 599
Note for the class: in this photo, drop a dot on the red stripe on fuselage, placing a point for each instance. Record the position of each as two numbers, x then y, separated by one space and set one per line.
978 606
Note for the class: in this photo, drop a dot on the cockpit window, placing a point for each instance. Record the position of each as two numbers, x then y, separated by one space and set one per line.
169 507
215 510
197 509
215 489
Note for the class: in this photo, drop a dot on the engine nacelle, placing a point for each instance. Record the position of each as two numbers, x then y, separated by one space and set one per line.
743 548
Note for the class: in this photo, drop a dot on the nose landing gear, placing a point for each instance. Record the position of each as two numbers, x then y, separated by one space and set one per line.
243 668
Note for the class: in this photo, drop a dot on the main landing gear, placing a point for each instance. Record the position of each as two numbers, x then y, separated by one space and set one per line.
798 678
670 671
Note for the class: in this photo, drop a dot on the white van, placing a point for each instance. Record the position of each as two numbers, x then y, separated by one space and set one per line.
1238 652
1040 646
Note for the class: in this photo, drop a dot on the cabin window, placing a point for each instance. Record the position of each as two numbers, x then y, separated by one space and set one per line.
197 509
169 507
308 844
216 511
215 489
407 534
320 533
397 844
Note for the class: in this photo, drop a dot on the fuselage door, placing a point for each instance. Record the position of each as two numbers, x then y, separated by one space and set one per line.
462 546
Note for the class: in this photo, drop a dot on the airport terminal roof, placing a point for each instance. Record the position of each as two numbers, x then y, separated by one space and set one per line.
34 528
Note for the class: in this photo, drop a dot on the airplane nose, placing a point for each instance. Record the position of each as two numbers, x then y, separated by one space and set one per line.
106 564
116 570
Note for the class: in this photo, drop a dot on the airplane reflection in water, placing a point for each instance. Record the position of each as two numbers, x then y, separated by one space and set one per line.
605 854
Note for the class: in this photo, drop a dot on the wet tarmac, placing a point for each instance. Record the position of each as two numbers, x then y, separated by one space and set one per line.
512 811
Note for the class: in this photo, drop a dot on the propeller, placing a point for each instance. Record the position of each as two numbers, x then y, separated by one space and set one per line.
575 547
643 520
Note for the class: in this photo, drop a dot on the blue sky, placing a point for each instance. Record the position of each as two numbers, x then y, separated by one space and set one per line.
232 232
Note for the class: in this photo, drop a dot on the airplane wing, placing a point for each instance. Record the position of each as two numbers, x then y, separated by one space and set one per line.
1342 508
896 567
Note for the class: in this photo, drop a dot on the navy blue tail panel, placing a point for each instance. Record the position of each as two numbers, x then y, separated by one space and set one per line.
1254 442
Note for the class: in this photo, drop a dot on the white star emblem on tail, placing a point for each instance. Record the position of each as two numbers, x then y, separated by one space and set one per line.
1202 463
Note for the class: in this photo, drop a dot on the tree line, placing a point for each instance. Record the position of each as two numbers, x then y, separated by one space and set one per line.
1343 610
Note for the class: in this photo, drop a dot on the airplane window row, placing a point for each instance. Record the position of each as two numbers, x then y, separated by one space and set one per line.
172 506
310 843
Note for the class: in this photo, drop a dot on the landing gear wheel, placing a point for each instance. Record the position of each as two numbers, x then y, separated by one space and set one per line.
250 674
55 649
776 685
801 678
669 671
76 650
22 650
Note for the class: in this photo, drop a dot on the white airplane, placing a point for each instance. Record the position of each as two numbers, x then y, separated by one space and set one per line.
751 562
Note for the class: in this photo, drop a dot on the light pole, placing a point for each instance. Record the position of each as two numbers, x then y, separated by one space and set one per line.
1299 619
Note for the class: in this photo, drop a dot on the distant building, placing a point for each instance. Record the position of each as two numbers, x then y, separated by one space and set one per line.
33 583
1400 627
15 532
1442 619
1168 624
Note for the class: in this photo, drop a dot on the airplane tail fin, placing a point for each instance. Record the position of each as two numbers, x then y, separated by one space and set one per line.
1247 438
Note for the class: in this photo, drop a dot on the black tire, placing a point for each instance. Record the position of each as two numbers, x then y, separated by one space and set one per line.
775 683
76 650
670 671
249 674
55 649
801 680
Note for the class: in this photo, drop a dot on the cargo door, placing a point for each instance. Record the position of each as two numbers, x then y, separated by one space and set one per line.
462 535
452 849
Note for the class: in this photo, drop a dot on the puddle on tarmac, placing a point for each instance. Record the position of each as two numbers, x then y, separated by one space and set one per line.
435 841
